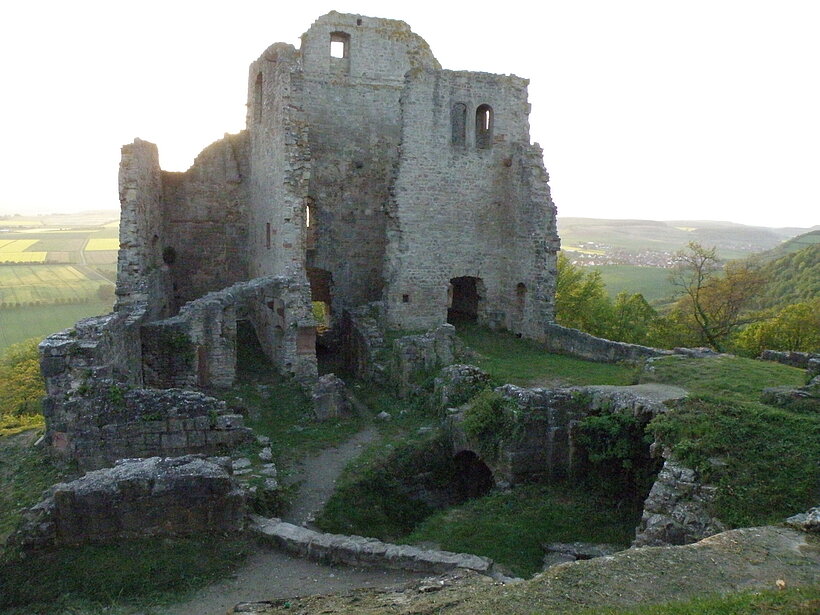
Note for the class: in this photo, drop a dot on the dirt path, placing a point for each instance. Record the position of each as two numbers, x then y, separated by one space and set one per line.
318 475
269 574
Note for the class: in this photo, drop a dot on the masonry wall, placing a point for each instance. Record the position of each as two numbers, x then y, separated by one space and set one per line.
142 278
353 110
205 214
280 165
467 208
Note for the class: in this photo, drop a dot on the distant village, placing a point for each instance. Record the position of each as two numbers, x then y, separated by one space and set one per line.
591 253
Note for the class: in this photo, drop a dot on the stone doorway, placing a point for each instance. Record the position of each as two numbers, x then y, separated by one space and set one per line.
465 298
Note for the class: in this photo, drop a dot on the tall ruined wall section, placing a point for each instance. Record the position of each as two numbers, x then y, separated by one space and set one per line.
205 220
280 164
352 106
142 278
471 200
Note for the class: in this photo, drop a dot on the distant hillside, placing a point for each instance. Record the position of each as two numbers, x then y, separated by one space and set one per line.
794 276
603 236
794 244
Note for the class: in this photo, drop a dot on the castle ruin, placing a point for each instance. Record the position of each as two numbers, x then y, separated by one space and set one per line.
366 174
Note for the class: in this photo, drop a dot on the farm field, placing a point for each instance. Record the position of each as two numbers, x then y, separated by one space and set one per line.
652 282
55 270
18 324
27 285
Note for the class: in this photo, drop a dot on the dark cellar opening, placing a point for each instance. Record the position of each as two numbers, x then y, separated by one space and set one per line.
473 477
252 364
464 300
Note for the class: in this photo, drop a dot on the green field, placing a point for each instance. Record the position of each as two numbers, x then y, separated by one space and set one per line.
652 282
18 324
27 285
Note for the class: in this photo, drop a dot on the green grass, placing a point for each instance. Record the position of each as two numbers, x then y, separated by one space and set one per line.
512 526
652 282
18 324
509 359
791 601
734 378
763 460
24 285
144 573
25 472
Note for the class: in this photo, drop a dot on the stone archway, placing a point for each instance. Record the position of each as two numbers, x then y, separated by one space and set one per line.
473 477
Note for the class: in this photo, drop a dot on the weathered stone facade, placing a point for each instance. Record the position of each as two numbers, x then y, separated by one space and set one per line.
367 179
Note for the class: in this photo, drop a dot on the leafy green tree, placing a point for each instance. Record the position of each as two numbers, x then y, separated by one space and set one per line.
713 305
21 385
581 301
795 327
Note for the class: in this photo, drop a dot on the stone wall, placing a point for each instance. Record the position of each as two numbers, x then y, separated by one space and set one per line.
359 551
467 209
538 444
142 277
197 347
795 359
104 421
363 342
135 499
676 511
573 342
205 220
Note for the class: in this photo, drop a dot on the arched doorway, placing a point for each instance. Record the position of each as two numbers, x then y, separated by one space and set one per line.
473 477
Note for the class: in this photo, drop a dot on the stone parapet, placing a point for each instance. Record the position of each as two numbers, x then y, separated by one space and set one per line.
359 551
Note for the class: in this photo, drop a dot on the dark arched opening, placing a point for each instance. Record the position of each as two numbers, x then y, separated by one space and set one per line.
464 299
473 477
484 127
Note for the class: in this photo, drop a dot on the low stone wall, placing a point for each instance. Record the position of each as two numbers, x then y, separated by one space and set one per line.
538 444
137 498
110 423
676 512
573 342
197 347
363 343
359 551
415 356
795 359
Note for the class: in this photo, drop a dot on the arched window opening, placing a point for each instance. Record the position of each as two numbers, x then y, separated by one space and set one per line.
339 45
458 119
484 127
257 99
521 295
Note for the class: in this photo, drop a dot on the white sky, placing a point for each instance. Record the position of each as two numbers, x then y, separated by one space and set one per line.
657 109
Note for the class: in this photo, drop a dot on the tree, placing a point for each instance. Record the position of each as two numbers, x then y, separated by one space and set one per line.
21 385
795 327
581 301
714 304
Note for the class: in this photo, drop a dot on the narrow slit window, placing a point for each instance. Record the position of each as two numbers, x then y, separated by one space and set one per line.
257 99
339 45
459 121
484 127
267 235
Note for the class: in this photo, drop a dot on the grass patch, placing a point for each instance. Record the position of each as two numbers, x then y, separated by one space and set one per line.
22 323
25 472
792 601
734 378
652 282
144 572
509 359
762 459
510 527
